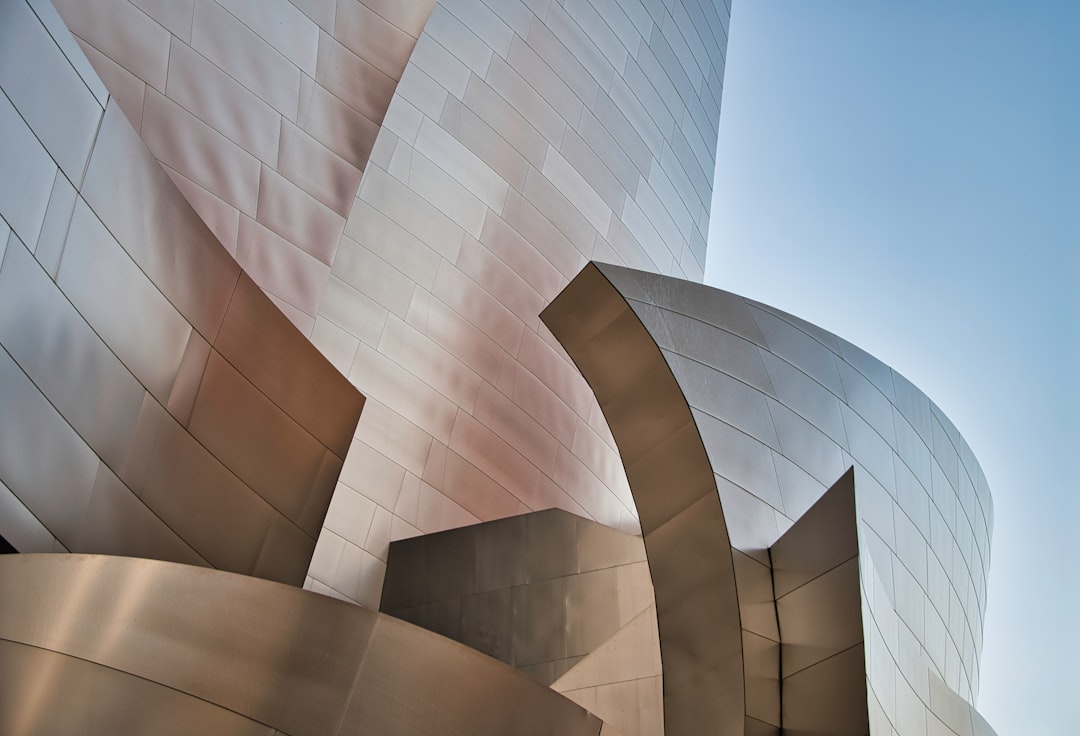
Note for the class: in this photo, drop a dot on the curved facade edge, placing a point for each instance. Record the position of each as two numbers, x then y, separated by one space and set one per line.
143 375
522 140
149 646
782 408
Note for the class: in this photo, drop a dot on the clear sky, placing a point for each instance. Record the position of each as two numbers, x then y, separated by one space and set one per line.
907 175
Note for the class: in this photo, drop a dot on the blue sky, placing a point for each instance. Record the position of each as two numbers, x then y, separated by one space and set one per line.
907 175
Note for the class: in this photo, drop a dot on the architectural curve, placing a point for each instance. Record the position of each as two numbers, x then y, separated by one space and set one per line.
143 375
782 407
156 647
522 140
497 147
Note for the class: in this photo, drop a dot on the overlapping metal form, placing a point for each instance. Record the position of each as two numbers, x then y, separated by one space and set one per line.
410 185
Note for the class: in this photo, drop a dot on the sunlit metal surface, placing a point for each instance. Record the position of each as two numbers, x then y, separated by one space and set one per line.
522 140
704 388
105 645
410 183
153 401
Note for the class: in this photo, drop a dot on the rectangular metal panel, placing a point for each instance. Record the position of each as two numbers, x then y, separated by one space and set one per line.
261 444
129 313
26 186
199 278
278 360
65 119
32 436
118 523
52 343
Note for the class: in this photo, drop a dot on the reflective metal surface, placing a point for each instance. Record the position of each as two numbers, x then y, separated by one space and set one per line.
157 403
538 591
849 581
97 645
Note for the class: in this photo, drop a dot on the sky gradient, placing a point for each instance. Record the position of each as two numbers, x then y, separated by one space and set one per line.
907 175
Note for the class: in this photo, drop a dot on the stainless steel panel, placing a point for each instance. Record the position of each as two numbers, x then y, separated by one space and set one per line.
54 229
123 33
118 523
232 46
29 172
121 304
223 103
278 360
376 39
199 278
210 508
60 352
48 692
183 142
262 445
829 697
65 118
32 436
356 81
20 527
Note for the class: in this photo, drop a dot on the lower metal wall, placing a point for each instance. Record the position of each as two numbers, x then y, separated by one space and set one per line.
104 645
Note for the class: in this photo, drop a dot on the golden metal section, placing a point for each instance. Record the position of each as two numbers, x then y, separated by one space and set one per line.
141 646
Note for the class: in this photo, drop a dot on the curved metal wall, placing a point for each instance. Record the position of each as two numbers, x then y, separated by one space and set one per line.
523 140
263 113
783 408
140 646
153 402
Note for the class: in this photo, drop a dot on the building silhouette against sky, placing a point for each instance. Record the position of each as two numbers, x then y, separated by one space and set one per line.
306 291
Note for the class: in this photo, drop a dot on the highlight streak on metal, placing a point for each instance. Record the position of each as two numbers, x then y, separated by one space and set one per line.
104 645
767 411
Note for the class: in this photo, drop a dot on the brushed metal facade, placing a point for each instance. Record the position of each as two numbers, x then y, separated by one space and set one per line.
712 394
411 182
522 140
153 402
105 645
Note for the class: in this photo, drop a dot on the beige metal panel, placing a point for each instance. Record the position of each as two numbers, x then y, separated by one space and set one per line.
223 103
33 435
278 360
356 81
281 270
64 117
117 522
198 279
123 33
20 527
29 175
100 700
208 506
200 641
185 143
263 446
644 408
124 308
58 350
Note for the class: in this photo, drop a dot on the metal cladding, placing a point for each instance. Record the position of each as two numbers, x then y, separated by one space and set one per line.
258 208
153 402
106 645
538 591
709 394
411 182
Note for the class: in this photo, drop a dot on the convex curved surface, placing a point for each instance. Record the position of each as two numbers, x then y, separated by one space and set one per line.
153 647
779 408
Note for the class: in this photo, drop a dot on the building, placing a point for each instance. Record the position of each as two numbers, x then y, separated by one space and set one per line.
411 185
